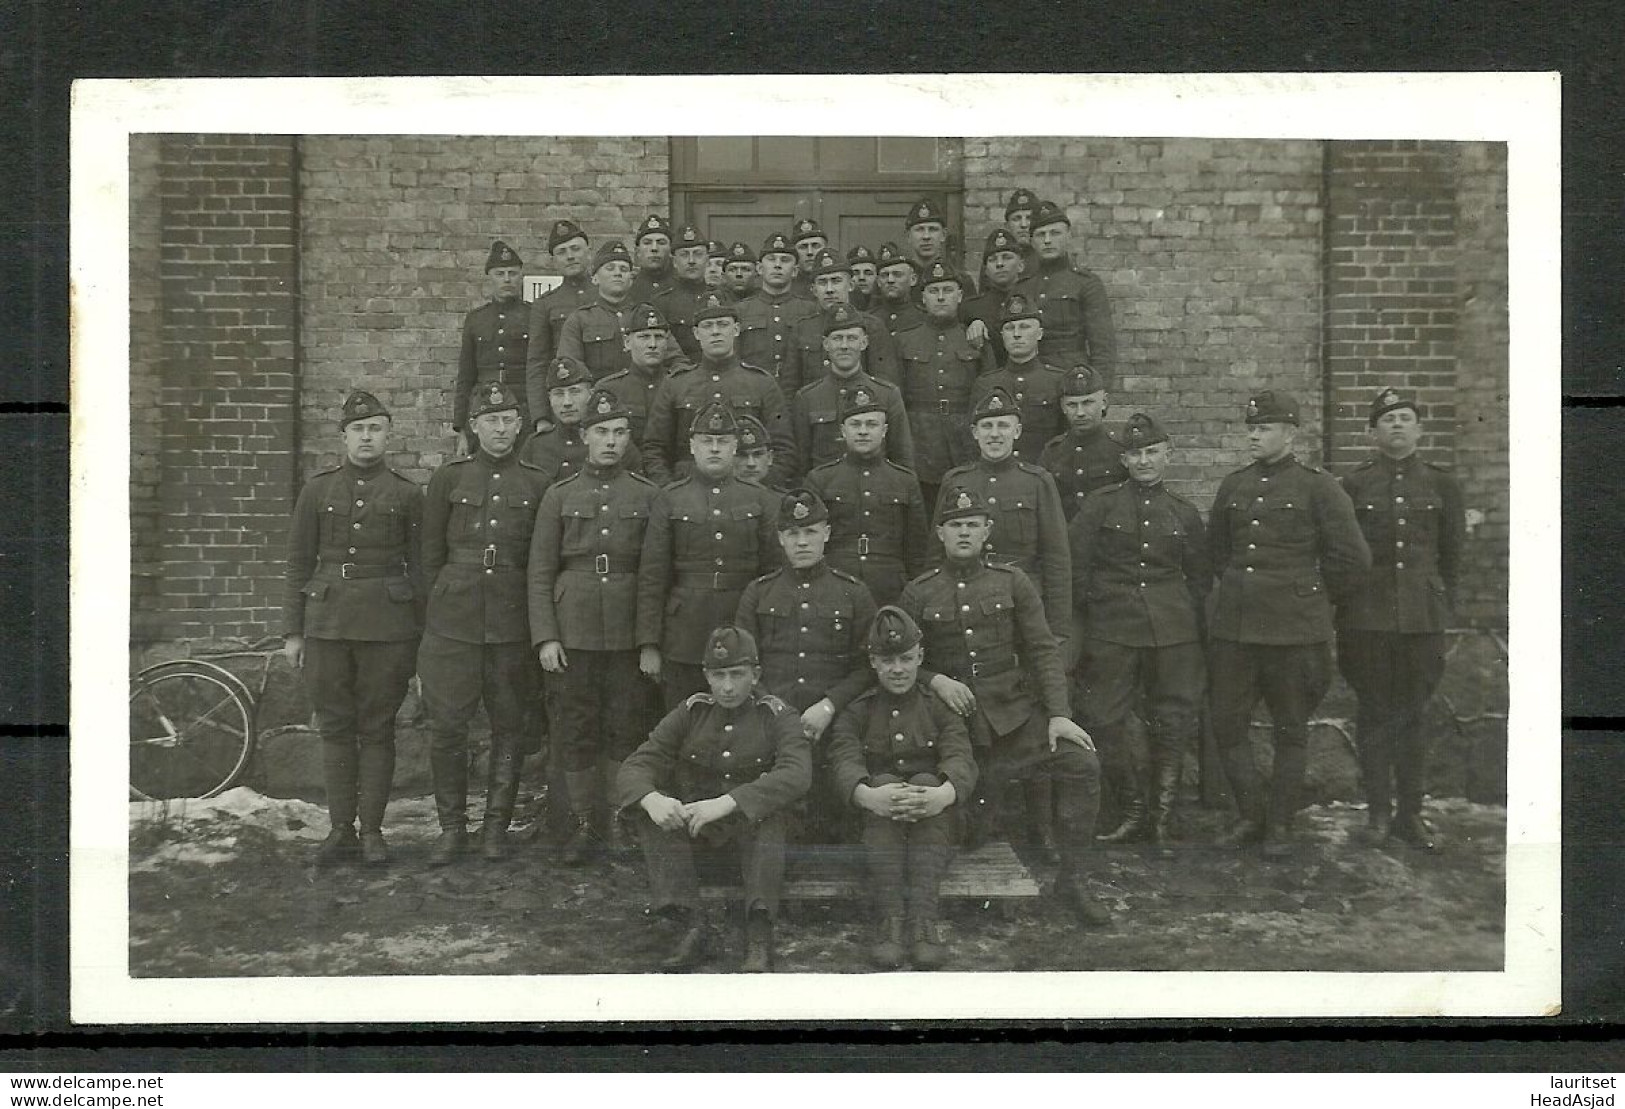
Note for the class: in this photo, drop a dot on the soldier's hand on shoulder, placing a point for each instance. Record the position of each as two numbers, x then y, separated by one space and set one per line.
955 694
649 663
543 427
816 719
1061 729
552 657
666 812
293 649
976 332
460 444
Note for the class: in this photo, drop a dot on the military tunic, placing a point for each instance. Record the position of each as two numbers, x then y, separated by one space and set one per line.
1036 388
897 318
593 335
706 541
583 593
1390 627
878 525
547 315
1081 462
815 417
939 368
988 306
635 388
1077 316
1029 527
807 361
646 286
809 627
741 386
767 330
496 343
561 453
679 304
882 736
757 755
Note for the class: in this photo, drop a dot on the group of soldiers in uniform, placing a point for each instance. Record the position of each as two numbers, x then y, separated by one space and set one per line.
792 559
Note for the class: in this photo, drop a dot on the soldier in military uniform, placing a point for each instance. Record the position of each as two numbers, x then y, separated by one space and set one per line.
477 521
1285 546
896 279
496 335
810 241
1077 314
939 366
352 614
1140 579
721 769
647 342
1032 380
1390 628
864 277
1029 526
1085 457
902 759
710 535
808 619
1002 270
593 335
816 410
985 631
688 291
738 273
583 597
754 461
716 260
926 227
560 451
651 243
832 285
768 316
878 523
568 245
1018 221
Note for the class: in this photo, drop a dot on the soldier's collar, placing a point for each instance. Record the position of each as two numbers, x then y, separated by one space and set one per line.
498 463
964 569
816 570
1284 460
1008 462
602 471
371 470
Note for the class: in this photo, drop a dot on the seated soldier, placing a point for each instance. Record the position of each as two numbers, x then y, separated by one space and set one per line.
903 758
722 768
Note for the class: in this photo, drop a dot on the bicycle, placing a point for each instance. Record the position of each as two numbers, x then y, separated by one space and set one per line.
193 727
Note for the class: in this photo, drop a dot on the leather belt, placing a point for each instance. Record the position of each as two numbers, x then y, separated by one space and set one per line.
990 669
721 579
598 565
350 571
486 558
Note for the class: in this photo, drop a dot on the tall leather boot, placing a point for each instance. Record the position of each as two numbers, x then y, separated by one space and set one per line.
1040 799
1286 785
886 857
449 767
377 772
1164 792
1247 787
614 834
1077 825
758 941
1373 739
927 862
1410 763
340 770
583 843
502 790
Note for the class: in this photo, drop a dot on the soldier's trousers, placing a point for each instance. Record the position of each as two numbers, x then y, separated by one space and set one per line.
1165 683
596 708
1393 674
1291 679
674 875
356 687
457 677
905 860
1023 755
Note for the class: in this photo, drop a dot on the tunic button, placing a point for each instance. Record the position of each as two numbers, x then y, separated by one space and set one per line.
493 523
1399 542
719 535
727 727
603 531
355 527
1399 566
716 512
352 550
894 712
964 608
358 504
803 629
898 735
1249 569
727 754
1401 520
1252 546
801 654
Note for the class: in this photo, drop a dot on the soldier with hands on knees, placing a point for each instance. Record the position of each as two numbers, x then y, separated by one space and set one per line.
352 616
584 617
900 757
477 521
1390 627
721 769
1140 579
1285 546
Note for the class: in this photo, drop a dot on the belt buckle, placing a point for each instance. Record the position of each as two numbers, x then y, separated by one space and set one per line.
344 570
863 544
975 669
488 559
601 564
942 408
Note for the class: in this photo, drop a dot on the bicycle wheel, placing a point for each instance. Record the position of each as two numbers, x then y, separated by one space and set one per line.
192 730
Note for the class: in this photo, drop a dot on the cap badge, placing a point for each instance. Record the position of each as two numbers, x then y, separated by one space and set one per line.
995 401
604 404
860 397
800 511
496 394
963 501
720 650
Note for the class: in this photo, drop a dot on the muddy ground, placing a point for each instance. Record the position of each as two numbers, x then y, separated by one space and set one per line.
226 888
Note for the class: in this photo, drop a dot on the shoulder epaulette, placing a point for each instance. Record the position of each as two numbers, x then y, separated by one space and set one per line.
1366 465
756 369
529 465
962 468
1004 567
896 466
458 461
868 694
1442 467
1030 467
827 465
639 477
846 577
402 476
678 371
699 699
931 573
610 377
1054 439
560 481
773 703
769 576
676 481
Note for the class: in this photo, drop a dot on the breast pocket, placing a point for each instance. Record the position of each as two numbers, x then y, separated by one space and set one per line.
468 512
598 332
1019 523
1115 541
1288 519
631 521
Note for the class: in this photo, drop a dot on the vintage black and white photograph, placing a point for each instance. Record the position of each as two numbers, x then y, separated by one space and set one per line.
767 570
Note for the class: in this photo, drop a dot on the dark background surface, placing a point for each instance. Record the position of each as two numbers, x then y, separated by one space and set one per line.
42 48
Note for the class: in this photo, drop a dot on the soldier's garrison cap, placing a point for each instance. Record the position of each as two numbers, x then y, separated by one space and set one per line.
892 632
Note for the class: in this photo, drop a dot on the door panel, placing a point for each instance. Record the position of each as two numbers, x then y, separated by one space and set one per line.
850 216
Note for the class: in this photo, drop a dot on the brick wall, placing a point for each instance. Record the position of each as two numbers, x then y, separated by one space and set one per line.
395 233
214 349
1210 250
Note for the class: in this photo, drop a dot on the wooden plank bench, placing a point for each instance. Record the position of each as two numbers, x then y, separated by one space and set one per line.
992 873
